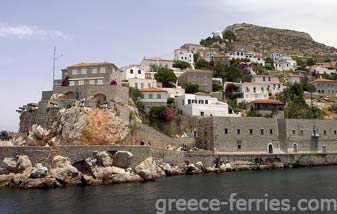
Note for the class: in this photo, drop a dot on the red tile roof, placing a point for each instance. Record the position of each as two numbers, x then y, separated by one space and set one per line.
151 90
267 101
323 80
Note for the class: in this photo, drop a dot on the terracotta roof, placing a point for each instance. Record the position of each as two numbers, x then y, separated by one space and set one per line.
83 64
267 101
198 70
323 80
151 90
296 75
157 59
201 93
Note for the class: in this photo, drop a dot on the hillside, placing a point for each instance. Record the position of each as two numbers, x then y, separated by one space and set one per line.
288 42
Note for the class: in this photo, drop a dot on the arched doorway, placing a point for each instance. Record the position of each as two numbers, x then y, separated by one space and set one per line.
270 148
101 98
295 147
70 95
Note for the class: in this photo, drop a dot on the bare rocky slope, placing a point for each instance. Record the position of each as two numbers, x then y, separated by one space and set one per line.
267 40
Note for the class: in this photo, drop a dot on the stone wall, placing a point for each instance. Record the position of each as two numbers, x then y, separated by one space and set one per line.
42 116
111 92
75 153
151 136
266 135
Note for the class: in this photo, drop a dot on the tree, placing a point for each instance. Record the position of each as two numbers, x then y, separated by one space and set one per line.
135 95
230 73
201 63
269 60
191 88
196 57
170 102
229 35
181 64
310 62
166 77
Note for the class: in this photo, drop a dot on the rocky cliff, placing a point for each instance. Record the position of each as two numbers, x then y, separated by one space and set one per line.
288 42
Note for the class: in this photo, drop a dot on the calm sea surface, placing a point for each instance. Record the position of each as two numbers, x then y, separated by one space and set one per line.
141 197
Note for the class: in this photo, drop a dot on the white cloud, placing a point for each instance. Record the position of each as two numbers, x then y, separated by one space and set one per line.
25 31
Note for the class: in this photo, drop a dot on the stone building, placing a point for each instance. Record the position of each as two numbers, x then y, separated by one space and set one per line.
325 86
203 78
98 73
266 135
206 53
153 97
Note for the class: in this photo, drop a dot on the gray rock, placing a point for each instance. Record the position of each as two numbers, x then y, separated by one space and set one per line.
39 171
192 169
122 159
103 158
10 164
24 165
148 170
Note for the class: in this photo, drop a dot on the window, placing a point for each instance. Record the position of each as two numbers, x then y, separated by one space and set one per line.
136 85
251 131
202 113
226 131
149 85
270 131
81 82
206 101
301 132
71 83
139 72
100 82
189 101
102 70
239 146
131 71
94 71
150 96
335 132
238 131
158 96
201 101
262 131
194 101
324 132
74 72
84 71
294 132
141 85
91 82
142 96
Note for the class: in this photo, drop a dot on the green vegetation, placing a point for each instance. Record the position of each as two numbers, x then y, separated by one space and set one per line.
162 118
170 102
296 106
230 73
229 35
181 64
310 62
166 77
333 108
191 88
202 64
135 96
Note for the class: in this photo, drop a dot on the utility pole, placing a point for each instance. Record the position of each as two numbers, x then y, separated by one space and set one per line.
55 58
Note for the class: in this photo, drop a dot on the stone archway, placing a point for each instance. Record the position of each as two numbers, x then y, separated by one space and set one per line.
70 95
295 148
270 148
101 98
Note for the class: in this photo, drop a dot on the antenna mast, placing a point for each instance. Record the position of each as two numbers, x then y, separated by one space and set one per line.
55 58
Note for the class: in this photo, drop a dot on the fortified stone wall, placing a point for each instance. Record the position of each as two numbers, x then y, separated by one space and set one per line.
86 91
42 116
266 135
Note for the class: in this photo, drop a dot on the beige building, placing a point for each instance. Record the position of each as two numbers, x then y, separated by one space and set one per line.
325 86
203 78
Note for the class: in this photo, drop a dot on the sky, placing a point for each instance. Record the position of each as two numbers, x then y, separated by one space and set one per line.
125 31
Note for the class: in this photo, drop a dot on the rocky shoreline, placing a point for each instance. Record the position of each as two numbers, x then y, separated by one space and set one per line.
106 168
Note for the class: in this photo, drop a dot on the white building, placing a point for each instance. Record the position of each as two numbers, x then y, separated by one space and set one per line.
153 97
142 83
252 91
133 71
158 62
184 55
322 70
174 92
295 79
201 104
285 63
251 56
274 85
